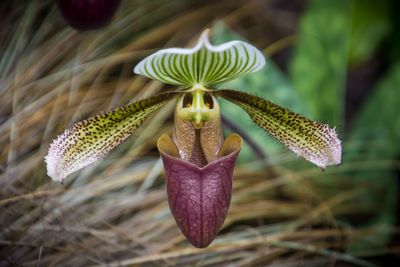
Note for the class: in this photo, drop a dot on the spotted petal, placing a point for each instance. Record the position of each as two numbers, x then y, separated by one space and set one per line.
314 141
204 64
89 140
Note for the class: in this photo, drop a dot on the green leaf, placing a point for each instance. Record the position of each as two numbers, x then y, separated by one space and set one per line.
89 140
318 68
314 141
269 83
370 24
376 135
204 64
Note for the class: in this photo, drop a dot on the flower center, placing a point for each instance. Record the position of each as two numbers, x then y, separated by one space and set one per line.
198 107
197 127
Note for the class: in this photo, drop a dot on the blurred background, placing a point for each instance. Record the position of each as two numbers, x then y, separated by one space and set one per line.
334 61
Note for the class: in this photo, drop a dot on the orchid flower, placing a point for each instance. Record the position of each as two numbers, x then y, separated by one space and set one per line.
198 162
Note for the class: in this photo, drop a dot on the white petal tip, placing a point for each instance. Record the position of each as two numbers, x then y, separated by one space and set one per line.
204 38
335 148
136 70
333 154
52 170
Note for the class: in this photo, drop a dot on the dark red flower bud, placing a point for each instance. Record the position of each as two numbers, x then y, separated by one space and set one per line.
88 14
199 197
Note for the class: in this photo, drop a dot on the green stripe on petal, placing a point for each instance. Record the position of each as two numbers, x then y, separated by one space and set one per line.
204 64
315 141
89 140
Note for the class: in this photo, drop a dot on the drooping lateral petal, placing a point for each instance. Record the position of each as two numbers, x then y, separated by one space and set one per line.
203 64
315 141
87 141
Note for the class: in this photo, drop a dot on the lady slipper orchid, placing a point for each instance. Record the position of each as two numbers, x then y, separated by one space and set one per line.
198 162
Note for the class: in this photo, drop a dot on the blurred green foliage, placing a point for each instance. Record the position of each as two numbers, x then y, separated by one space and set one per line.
370 24
376 131
335 36
318 68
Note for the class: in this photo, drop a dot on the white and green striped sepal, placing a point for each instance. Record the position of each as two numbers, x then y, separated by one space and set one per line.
204 64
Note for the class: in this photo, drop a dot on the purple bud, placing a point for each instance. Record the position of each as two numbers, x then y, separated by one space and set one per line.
88 14
199 197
